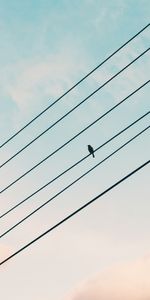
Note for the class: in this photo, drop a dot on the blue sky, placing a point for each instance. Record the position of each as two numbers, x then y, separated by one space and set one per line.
46 46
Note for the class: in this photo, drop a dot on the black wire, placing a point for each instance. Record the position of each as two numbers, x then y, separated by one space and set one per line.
75 136
75 107
75 212
71 167
72 183
88 74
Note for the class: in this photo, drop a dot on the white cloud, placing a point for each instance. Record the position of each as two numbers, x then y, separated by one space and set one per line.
113 12
50 76
131 78
31 84
129 281
4 251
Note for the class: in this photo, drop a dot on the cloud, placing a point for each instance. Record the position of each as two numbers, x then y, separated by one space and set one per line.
49 76
115 12
32 84
130 79
129 281
4 251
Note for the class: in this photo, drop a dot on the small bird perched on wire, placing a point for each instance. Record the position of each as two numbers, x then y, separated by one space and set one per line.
91 150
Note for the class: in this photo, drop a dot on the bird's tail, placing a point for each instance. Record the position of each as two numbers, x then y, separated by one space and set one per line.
93 154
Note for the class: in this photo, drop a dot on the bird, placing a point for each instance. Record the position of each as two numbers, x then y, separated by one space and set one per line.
91 150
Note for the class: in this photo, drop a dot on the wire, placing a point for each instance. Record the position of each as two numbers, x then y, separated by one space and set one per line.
70 89
72 183
75 107
75 212
75 136
71 167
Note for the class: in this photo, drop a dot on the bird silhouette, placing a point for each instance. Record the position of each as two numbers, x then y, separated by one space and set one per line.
91 150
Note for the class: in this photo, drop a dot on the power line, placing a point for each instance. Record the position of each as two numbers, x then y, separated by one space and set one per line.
74 165
74 137
74 108
70 89
75 212
72 183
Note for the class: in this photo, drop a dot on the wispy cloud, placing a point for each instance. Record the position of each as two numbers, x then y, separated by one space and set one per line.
129 281
31 85
47 77
4 251
111 12
131 78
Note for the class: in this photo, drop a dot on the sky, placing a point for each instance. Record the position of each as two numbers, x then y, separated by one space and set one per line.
46 47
